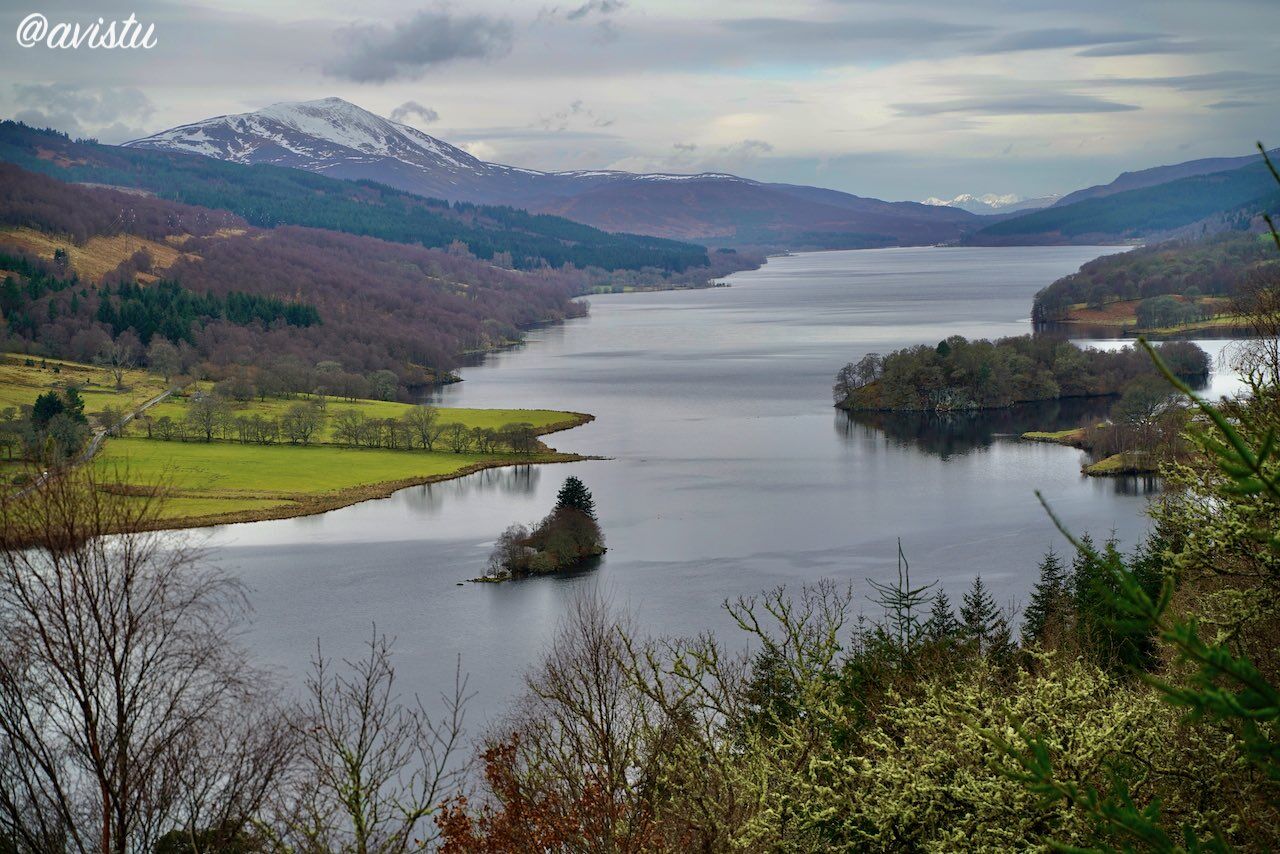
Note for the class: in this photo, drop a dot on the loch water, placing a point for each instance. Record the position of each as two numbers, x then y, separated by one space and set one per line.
729 471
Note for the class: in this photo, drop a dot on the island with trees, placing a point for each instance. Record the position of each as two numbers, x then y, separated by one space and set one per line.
959 374
1144 431
568 538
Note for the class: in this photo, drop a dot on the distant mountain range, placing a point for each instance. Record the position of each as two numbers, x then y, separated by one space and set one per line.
992 203
1160 175
269 196
336 138
1184 200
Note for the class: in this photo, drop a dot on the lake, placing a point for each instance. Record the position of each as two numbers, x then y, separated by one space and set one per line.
730 471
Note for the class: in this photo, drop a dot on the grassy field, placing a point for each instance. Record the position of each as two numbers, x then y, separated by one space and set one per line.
1127 462
1057 437
1124 314
541 419
215 482
211 482
222 481
21 384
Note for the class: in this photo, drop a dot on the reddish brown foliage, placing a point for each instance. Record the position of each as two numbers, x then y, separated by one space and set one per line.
527 817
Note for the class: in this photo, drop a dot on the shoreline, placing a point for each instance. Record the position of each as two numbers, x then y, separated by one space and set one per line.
313 505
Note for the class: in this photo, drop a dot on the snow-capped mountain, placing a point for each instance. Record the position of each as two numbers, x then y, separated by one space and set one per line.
341 140
991 203
310 133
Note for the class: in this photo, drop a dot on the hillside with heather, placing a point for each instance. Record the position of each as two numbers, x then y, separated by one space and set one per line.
78 280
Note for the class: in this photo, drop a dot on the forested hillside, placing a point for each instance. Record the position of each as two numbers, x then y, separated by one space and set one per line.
1229 199
235 294
1217 266
269 195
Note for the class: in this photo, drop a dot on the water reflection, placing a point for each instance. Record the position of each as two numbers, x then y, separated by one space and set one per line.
430 498
948 434
1136 484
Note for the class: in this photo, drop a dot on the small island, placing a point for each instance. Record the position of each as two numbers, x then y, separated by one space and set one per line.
566 539
959 374
1144 430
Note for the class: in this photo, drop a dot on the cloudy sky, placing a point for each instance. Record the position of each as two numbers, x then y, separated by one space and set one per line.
898 100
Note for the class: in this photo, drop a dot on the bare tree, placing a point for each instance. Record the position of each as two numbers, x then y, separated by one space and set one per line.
424 423
581 729
119 686
163 358
522 438
301 421
349 427
206 414
458 437
119 356
373 768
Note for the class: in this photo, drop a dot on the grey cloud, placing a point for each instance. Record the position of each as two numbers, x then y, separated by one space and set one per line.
376 53
1050 39
749 147
881 29
1146 48
1218 81
1025 104
1232 104
87 104
598 7
413 108
685 146
576 113
83 111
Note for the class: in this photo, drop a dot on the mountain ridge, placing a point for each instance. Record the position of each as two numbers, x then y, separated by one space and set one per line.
333 137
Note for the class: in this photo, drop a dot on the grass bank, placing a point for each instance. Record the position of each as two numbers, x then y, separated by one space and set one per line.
211 483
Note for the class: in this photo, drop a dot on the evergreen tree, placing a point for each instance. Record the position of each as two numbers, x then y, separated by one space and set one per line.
1048 599
1106 634
575 495
902 603
1082 571
980 618
45 408
75 405
942 625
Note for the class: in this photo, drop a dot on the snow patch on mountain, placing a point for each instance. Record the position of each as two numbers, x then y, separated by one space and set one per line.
989 203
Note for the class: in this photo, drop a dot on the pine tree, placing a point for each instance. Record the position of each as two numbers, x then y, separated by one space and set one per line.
1104 635
1082 571
75 405
1048 599
575 495
942 625
980 617
902 603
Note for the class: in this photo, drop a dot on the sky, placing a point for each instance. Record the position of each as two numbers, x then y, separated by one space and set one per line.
896 100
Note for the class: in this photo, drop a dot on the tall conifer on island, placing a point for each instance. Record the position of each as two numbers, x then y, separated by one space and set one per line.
574 494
